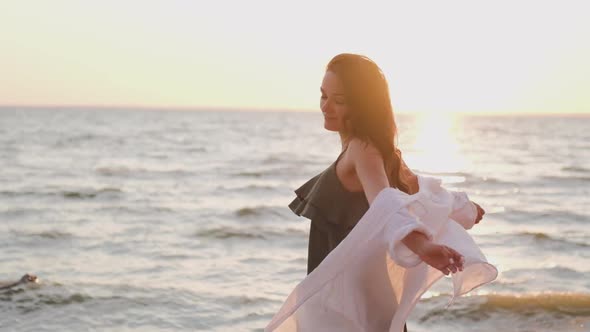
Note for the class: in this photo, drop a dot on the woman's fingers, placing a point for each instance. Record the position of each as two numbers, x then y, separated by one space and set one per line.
455 260
480 213
443 258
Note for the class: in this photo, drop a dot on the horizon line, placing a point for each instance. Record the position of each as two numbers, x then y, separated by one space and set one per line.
124 107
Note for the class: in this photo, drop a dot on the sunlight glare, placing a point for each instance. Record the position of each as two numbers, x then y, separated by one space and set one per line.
435 149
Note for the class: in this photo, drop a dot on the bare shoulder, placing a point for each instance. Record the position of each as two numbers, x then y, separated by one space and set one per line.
369 168
363 152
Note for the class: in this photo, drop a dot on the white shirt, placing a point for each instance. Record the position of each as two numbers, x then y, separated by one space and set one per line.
371 281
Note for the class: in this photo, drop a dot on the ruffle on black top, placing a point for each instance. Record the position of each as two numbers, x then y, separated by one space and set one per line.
323 199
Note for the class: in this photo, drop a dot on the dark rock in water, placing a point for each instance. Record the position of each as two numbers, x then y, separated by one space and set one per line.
25 279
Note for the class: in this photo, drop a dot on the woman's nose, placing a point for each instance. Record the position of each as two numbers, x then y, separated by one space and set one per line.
326 105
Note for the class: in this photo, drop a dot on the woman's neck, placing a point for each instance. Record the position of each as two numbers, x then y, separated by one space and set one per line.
344 140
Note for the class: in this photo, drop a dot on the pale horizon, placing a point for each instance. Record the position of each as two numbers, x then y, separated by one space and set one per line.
457 57
285 110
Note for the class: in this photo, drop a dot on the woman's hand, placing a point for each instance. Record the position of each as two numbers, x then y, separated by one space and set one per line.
441 257
480 212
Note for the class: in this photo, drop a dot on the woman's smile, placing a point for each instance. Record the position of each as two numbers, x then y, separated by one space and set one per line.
332 102
329 116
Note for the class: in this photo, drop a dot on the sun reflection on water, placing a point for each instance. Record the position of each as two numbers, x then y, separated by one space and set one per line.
435 148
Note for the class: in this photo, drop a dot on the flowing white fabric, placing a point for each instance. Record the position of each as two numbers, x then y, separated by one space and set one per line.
371 281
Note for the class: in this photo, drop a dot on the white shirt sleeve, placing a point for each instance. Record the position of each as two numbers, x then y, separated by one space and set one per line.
402 224
464 211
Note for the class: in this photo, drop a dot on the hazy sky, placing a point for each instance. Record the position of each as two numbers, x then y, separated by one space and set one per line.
438 56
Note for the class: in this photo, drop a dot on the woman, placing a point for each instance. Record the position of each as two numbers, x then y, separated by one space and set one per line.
355 102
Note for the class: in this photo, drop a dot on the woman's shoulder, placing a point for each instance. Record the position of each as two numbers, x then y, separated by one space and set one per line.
361 146
363 151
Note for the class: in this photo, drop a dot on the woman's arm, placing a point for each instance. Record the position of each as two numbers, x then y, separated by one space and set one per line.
412 180
368 165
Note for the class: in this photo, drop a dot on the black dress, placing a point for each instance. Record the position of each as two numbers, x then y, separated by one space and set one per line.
332 209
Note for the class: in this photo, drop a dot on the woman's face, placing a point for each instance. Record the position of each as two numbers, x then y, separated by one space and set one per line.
333 102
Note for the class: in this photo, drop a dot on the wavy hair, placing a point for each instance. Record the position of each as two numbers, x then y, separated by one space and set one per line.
370 114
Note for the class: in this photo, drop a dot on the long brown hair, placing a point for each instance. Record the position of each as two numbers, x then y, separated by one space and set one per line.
370 114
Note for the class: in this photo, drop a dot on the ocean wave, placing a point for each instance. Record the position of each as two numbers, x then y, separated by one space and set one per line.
68 140
262 210
435 174
196 149
249 174
546 238
247 188
10 193
275 171
575 169
46 239
47 293
50 234
90 193
287 160
121 170
570 180
492 181
76 194
468 180
553 216
159 308
33 297
559 272
274 159
567 303
241 300
227 232
477 307
536 235
114 170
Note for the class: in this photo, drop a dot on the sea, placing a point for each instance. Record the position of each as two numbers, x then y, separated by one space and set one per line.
176 220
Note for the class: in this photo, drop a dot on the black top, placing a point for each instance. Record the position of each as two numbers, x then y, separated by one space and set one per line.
325 201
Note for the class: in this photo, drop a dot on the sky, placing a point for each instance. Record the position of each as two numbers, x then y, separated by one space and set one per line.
525 56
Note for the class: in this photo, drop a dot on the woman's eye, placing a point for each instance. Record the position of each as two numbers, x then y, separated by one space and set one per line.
340 102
